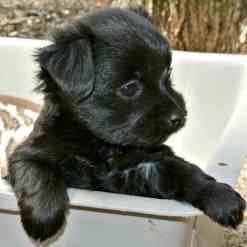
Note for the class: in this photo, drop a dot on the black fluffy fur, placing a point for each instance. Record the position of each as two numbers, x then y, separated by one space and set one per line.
91 134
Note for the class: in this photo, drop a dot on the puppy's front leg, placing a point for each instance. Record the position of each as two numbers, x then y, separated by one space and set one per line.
217 200
173 178
40 191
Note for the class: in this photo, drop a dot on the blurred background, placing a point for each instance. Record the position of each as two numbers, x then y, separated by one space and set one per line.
191 25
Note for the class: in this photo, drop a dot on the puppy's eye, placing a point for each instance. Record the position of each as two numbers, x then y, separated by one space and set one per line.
130 89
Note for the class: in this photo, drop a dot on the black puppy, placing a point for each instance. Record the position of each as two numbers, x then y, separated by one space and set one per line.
109 106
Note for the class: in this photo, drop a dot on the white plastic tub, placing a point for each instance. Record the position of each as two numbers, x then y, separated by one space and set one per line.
215 88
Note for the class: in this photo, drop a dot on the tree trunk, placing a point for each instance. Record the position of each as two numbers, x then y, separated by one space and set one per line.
201 25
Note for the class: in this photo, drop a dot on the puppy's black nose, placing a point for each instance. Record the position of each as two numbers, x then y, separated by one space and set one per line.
175 120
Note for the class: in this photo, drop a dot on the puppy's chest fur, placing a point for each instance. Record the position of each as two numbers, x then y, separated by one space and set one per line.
106 166
87 171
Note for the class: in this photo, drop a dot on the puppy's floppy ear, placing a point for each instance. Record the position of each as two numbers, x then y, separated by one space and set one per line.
69 61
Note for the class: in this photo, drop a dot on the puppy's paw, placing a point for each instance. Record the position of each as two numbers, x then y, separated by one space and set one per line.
42 219
222 204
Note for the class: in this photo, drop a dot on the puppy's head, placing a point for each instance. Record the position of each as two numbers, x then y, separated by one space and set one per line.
112 68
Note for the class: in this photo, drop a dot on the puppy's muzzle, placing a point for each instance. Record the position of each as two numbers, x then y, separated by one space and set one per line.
177 117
